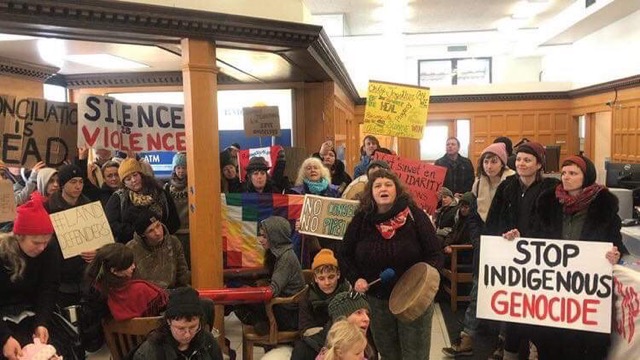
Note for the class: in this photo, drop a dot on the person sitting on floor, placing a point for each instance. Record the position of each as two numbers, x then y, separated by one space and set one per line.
183 333
314 310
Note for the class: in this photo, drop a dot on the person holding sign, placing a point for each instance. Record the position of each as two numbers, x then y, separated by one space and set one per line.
578 209
512 214
29 276
369 145
390 231
142 191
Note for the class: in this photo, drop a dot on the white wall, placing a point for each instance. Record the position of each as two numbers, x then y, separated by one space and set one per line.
608 54
602 139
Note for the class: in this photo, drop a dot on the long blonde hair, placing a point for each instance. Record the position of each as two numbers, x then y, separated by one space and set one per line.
11 257
326 173
342 336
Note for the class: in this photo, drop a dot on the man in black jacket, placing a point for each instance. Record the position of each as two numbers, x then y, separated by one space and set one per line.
460 176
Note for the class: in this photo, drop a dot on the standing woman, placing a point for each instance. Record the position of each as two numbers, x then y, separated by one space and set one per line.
339 176
369 145
177 189
492 171
138 190
29 278
512 214
578 209
390 231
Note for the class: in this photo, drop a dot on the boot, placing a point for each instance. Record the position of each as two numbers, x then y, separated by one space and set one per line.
463 348
498 353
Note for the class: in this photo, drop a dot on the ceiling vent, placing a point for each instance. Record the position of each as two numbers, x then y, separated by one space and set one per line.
457 48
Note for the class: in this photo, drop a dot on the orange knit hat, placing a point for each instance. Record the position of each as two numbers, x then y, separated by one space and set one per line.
324 257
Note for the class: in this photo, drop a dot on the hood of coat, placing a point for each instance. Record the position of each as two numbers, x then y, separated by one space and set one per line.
278 231
44 175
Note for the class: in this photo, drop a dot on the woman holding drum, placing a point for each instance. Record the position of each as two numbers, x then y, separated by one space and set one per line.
390 231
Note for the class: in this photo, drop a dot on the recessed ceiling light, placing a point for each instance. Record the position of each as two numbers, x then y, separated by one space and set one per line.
105 61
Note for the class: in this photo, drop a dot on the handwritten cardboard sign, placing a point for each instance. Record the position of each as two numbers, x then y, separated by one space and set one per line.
106 123
557 283
326 217
423 180
261 121
269 153
7 201
396 110
35 130
82 228
625 338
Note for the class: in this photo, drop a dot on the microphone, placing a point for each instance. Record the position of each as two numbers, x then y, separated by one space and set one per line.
386 276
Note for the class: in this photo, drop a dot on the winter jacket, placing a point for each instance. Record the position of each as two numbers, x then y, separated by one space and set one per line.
460 177
365 253
180 198
117 210
160 345
361 167
602 222
339 176
37 290
484 191
285 271
164 265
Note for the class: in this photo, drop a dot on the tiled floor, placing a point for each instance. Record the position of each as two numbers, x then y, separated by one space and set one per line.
439 338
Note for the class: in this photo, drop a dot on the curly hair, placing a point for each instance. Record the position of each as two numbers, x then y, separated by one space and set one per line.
342 337
312 161
115 257
368 204
10 254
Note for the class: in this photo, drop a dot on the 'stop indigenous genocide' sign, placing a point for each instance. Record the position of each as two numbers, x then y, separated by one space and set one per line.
556 283
261 121
106 123
396 110
35 130
326 217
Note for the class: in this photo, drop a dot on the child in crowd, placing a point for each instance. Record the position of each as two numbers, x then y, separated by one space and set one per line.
314 310
344 342
274 234
111 274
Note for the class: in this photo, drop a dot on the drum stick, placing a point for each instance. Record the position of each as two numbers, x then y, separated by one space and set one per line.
385 276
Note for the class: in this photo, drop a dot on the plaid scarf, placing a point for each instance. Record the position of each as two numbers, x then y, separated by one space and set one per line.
388 228
574 204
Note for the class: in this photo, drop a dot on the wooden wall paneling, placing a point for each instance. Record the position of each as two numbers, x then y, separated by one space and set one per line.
328 115
513 125
480 129
314 118
21 87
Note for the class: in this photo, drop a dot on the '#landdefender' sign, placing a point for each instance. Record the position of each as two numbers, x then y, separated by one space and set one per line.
556 283
82 228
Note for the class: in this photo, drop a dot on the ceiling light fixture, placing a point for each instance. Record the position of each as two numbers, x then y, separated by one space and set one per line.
106 61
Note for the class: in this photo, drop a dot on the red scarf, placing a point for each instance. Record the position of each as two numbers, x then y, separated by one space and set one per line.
136 298
388 228
574 204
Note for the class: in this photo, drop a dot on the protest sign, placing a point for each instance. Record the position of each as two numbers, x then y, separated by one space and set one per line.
82 228
625 338
268 153
35 130
326 217
556 283
261 121
7 201
423 180
106 123
396 110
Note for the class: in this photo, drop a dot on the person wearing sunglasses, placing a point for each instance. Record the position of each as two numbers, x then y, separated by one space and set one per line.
183 333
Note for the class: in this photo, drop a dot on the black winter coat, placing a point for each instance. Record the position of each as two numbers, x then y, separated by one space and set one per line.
601 224
460 176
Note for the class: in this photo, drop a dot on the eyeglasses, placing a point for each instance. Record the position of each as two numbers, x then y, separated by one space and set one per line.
185 330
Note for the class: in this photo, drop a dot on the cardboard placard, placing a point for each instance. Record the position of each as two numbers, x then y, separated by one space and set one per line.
261 121
82 228
557 283
326 217
422 179
294 156
396 110
625 338
106 123
35 130
7 201
269 153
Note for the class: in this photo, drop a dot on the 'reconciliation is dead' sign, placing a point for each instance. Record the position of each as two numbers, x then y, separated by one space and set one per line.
106 123
396 110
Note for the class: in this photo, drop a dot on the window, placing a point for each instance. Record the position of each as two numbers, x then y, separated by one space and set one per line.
446 72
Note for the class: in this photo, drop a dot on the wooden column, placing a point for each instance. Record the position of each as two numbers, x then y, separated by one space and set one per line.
201 122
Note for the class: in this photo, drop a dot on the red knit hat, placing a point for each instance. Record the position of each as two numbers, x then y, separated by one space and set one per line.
32 219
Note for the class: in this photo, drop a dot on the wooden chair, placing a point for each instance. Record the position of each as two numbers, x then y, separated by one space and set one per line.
275 337
124 336
308 276
458 274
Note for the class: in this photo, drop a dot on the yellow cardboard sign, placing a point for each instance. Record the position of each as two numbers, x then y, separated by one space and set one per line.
396 110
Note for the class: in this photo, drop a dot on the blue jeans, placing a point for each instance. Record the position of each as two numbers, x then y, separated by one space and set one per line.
397 340
470 324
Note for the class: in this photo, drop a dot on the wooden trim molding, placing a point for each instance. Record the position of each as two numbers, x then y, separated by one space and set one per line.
27 70
619 84
167 78
557 95
135 23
